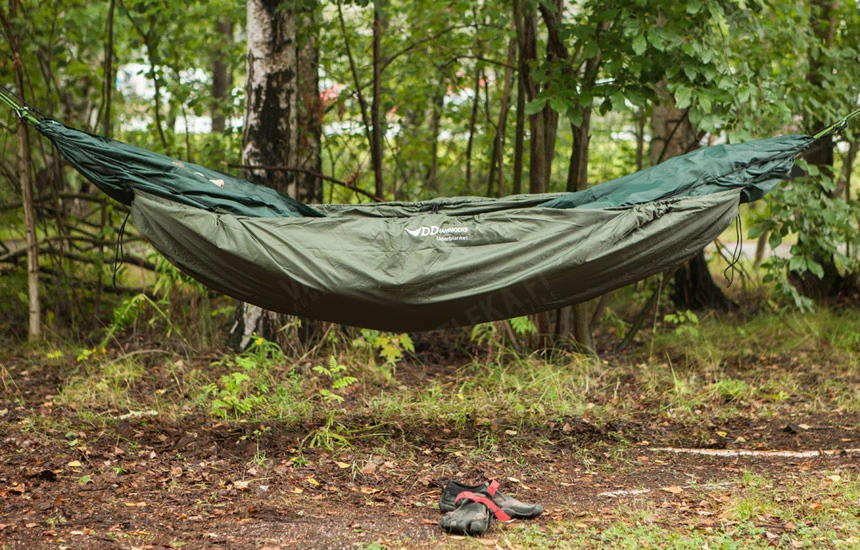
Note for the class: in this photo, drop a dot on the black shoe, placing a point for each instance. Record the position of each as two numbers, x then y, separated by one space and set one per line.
509 505
473 514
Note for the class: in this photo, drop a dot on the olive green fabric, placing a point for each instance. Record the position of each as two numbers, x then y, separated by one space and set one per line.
431 270
433 264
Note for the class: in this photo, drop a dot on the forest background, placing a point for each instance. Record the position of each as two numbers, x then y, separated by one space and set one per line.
387 100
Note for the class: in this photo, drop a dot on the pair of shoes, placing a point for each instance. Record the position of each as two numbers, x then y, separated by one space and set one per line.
469 509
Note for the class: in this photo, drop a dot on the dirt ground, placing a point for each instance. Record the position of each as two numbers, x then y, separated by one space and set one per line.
144 482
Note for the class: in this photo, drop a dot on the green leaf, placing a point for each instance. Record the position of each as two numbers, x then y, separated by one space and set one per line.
815 268
797 263
536 106
558 105
639 44
683 97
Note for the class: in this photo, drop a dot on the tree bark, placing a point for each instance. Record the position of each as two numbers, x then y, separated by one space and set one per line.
496 157
673 135
281 125
822 155
34 329
375 119
221 80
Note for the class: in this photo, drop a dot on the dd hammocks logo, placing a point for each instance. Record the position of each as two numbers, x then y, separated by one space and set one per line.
441 233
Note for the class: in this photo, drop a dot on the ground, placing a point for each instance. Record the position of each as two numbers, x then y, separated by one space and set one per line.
69 480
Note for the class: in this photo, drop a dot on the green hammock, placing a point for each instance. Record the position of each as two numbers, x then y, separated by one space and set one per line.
435 264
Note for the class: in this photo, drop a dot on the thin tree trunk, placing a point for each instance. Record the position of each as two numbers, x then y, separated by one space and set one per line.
496 158
311 109
473 122
220 78
519 140
375 120
34 331
106 131
435 121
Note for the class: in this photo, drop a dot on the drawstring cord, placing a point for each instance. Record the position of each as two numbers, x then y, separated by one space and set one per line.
119 253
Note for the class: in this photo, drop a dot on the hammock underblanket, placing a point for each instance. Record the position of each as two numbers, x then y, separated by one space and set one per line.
435 264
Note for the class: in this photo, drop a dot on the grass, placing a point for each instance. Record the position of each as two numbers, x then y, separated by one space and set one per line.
753 511
505 410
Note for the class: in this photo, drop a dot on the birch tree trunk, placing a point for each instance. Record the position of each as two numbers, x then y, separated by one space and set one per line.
34 331
278 111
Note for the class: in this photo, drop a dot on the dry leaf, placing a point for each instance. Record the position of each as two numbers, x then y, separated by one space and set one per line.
135 504
241 485
369 468
312 481
298 490
425 521
74 464
675 490
342 465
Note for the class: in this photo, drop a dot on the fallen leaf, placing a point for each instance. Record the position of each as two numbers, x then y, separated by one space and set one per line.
241 485
675 490
312 481
425 521
771 536
369 490
835 478
513 480
298 490
135 504
369 468
74 464
342 465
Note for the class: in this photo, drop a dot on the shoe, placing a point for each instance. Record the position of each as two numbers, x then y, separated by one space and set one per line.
509 505
473 514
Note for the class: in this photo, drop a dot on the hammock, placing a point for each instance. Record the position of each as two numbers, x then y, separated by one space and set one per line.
435 264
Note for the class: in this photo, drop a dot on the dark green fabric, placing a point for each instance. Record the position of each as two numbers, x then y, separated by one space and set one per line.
434 264
120 170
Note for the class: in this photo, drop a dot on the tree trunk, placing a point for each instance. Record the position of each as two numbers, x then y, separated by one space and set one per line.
221 80
473 122
577 180
496 162
376 122
309 187
281 125
34 331
823 24
673 135
435 126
